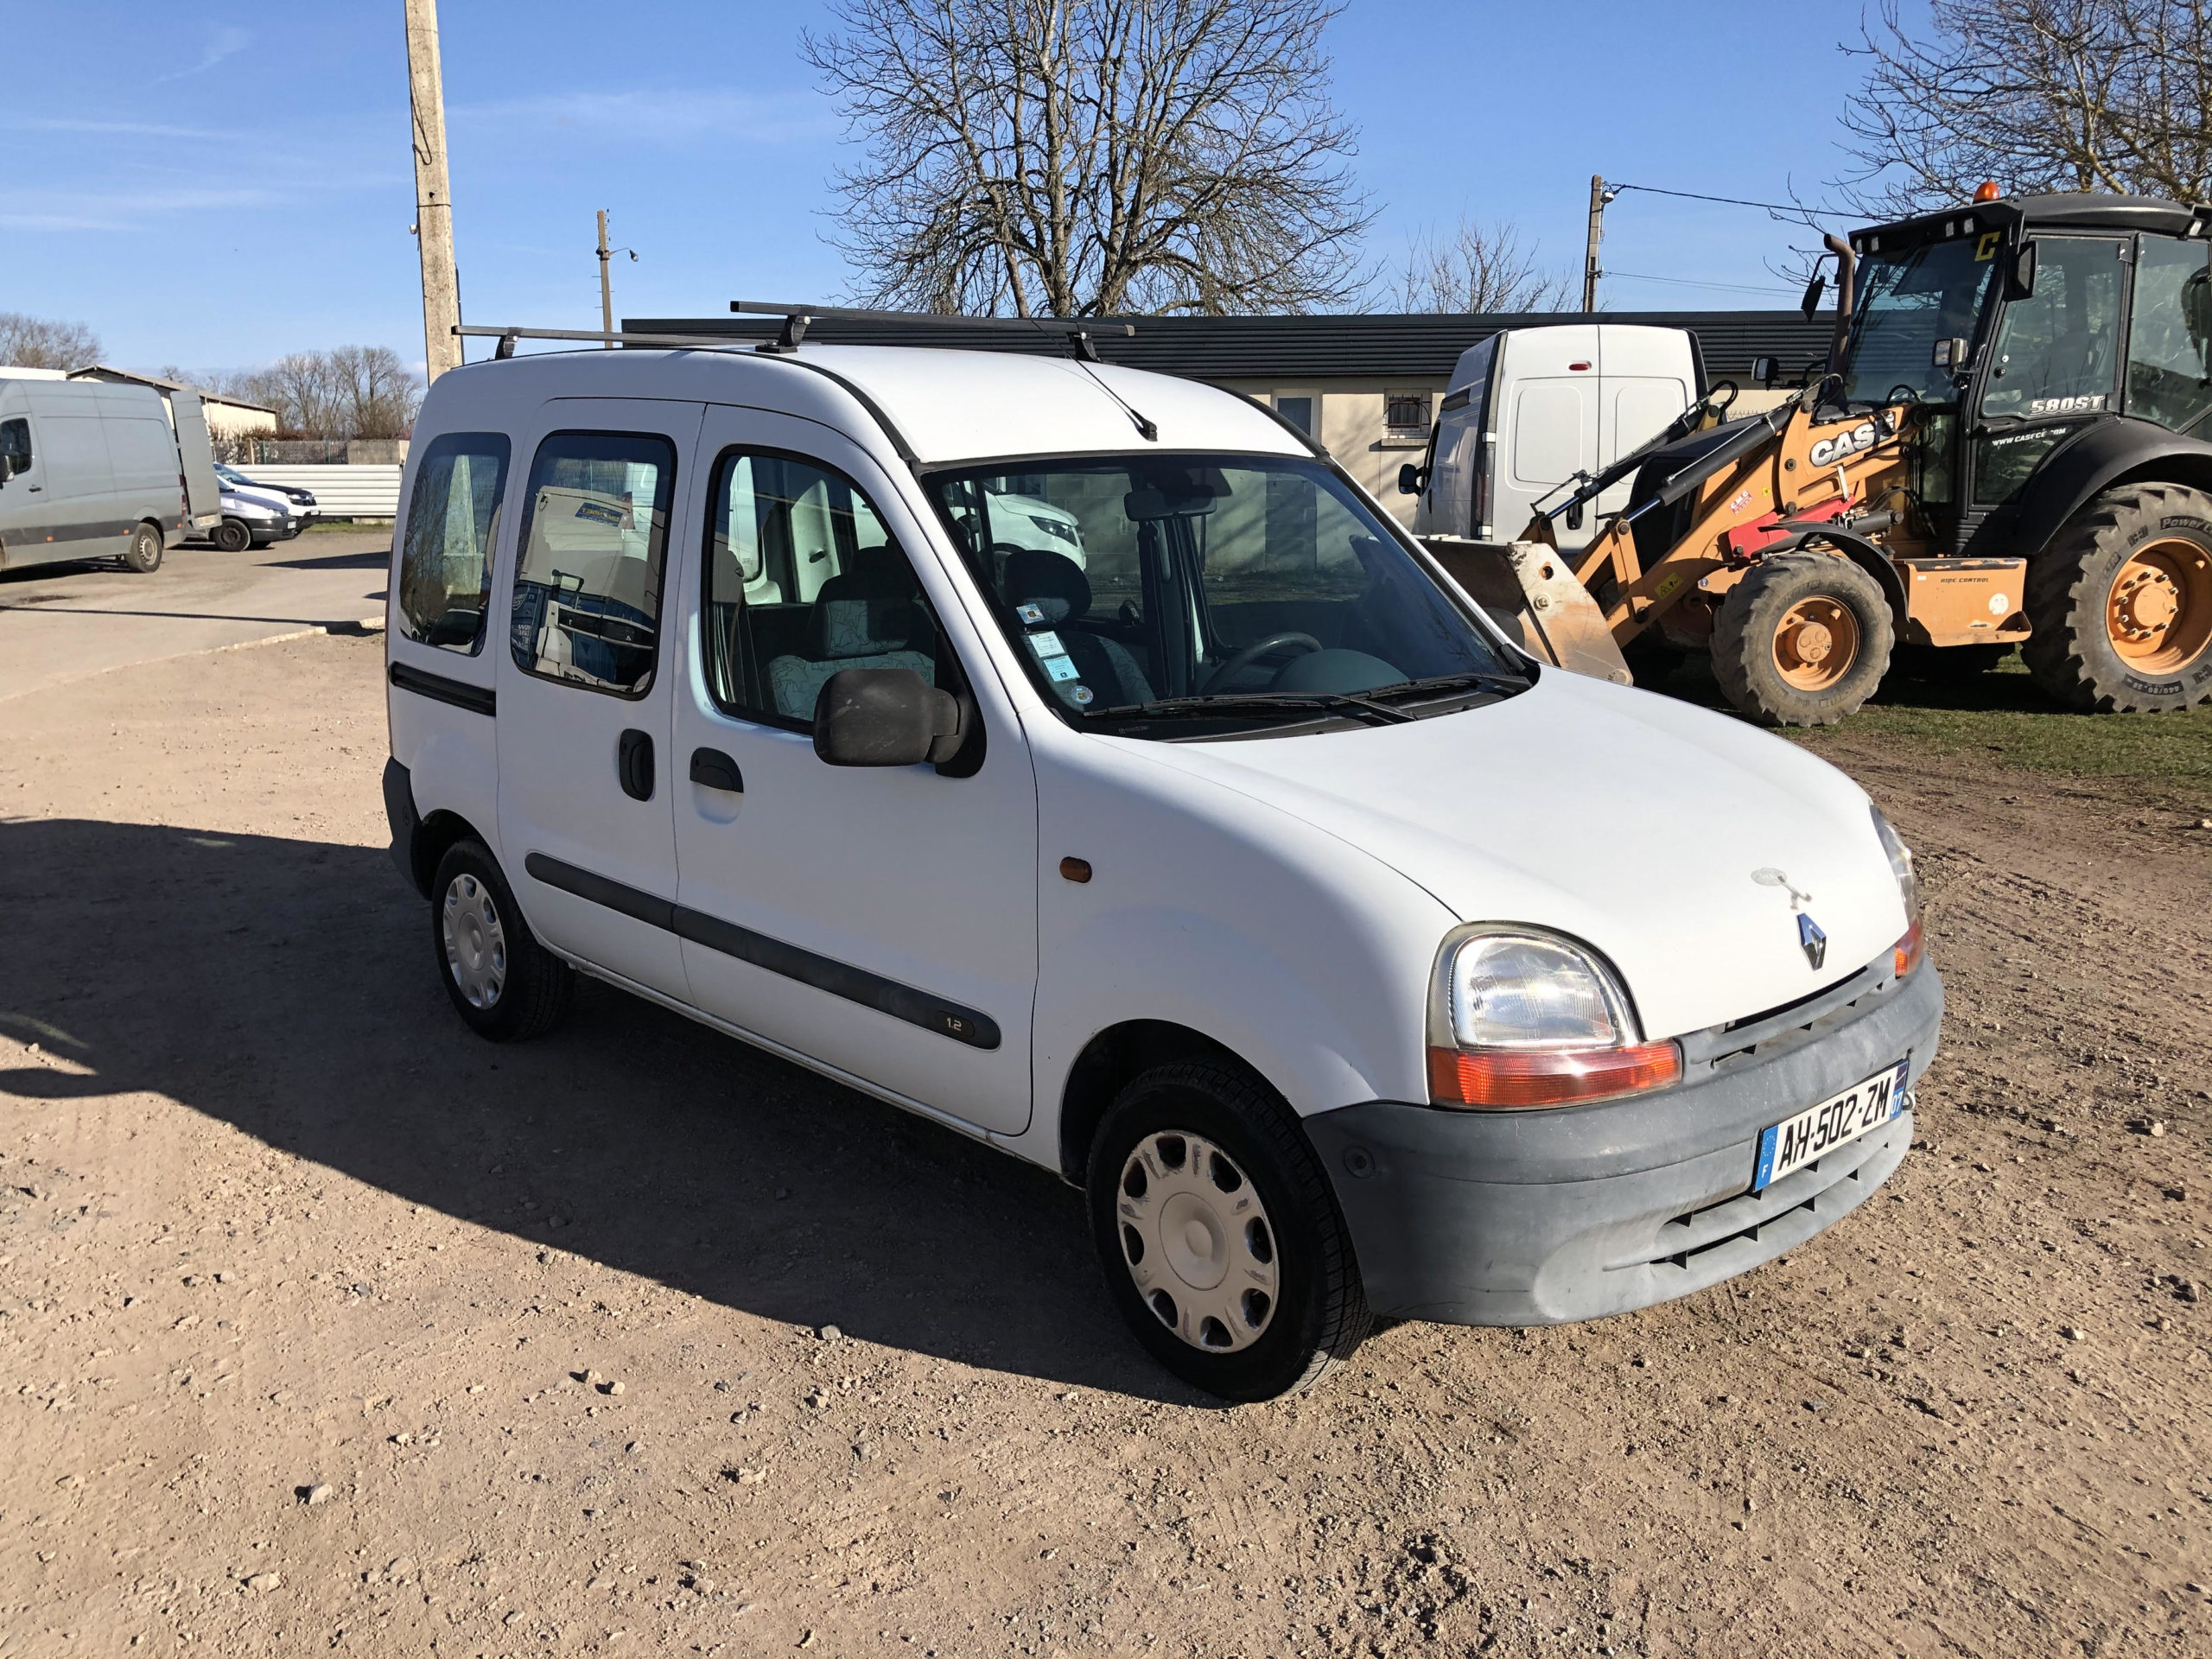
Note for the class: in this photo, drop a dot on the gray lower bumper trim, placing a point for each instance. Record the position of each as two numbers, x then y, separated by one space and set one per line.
1539 1217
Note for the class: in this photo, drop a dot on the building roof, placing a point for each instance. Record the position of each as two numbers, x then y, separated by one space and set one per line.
104 372
1332 345
943 406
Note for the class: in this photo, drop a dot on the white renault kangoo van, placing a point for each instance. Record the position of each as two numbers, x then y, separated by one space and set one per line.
1238 869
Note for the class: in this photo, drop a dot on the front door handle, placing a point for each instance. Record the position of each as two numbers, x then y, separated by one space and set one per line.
716 770
633 765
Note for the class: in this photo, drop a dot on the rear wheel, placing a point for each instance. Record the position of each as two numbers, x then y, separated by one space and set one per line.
508 987
1220 1235
232 535
2121 603
1802 639
144 553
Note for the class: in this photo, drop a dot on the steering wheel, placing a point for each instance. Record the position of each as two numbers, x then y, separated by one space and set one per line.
1240 660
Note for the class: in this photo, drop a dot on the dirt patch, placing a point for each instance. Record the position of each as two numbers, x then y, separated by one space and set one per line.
328 1326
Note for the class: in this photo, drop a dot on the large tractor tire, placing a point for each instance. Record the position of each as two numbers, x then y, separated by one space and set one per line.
2120 603
1802 639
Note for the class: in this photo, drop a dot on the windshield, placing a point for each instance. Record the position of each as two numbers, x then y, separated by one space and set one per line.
1172 590
1908 301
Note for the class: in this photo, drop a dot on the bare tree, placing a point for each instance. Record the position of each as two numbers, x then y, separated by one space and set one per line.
2111 95
43 343
1478 268
1086 157
353 392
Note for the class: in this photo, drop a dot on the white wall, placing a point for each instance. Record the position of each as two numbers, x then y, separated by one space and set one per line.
339 492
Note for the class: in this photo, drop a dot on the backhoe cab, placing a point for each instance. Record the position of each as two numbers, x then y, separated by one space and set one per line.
2008 445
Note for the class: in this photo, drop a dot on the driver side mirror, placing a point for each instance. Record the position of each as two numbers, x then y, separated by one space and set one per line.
1813 290
2020 278
1768 369
12 465
885 718
1410 481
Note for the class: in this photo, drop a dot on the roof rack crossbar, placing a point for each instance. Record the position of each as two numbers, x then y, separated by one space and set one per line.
1075 327
507 336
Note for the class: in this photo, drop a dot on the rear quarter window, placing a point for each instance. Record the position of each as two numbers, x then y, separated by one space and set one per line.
445 563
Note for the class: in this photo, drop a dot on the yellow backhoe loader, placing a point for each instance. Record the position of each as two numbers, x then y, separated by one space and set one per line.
2006 446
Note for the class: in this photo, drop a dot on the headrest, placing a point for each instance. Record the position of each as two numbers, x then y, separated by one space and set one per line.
867 609
1053 583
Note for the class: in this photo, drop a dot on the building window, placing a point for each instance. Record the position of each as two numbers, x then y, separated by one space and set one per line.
1406 414
1302 410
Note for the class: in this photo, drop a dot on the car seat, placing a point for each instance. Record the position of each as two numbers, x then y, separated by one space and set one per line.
1056 585
866 616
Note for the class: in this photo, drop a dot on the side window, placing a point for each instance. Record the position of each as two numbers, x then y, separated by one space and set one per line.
16 446
2055 351
2168 379
802 580
445 564
594 541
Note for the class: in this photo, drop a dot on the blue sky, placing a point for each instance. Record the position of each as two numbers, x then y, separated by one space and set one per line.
213 185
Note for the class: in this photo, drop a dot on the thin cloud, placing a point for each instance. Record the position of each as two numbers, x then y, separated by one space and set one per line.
673 117
116 129
58 222
224 43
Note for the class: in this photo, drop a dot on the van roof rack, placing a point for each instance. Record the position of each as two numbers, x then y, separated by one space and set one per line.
798 317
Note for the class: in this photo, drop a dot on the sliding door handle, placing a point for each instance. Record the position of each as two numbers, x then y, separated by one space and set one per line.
716 770
633 765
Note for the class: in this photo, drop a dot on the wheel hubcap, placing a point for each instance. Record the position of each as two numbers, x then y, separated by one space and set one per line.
1196 1240
2159 611
1816 642
475 941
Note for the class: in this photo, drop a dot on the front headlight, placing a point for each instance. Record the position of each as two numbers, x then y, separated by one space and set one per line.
1521 1019
1905 954
1900 864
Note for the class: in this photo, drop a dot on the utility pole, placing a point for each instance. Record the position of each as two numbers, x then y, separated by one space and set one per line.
433 190
1601 194
606 287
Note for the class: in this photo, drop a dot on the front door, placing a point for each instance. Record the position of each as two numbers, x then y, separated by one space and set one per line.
2056 363
63 505
882 920
586 828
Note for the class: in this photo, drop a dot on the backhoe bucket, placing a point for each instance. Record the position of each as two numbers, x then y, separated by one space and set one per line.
1528 590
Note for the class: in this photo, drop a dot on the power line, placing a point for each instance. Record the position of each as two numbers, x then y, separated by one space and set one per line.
1737 201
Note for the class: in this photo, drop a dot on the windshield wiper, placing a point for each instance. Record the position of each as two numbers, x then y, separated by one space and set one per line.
1480 679
1262 703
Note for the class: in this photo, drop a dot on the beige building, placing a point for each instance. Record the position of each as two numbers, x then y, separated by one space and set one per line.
228 417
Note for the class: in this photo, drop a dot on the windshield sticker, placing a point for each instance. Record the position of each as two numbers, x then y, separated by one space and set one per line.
1032 614
1048 644
598 512
1060 668
1081 694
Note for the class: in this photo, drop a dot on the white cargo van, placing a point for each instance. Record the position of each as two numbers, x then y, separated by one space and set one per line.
1238 869
92 470
1531 410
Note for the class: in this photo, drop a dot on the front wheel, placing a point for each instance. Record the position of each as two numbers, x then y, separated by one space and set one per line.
1220 1236
1802 639
230 537
506 985
2121 603
144 553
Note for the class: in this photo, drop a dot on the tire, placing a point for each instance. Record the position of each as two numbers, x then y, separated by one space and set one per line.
144 553
1207 1152
508 987
230 537
2120 603
1802 639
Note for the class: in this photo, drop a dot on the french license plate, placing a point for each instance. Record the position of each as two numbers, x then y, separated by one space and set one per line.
1797 1141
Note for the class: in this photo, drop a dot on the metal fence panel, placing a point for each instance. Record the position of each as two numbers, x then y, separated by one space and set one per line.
341 492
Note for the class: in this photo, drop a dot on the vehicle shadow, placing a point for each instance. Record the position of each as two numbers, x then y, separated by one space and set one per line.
287 987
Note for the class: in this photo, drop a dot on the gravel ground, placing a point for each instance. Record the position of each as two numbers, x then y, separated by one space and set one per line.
327 1327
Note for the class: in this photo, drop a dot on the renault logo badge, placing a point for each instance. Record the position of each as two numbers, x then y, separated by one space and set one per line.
1815 941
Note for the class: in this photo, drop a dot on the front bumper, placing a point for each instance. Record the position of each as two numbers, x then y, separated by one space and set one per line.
1544 1217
